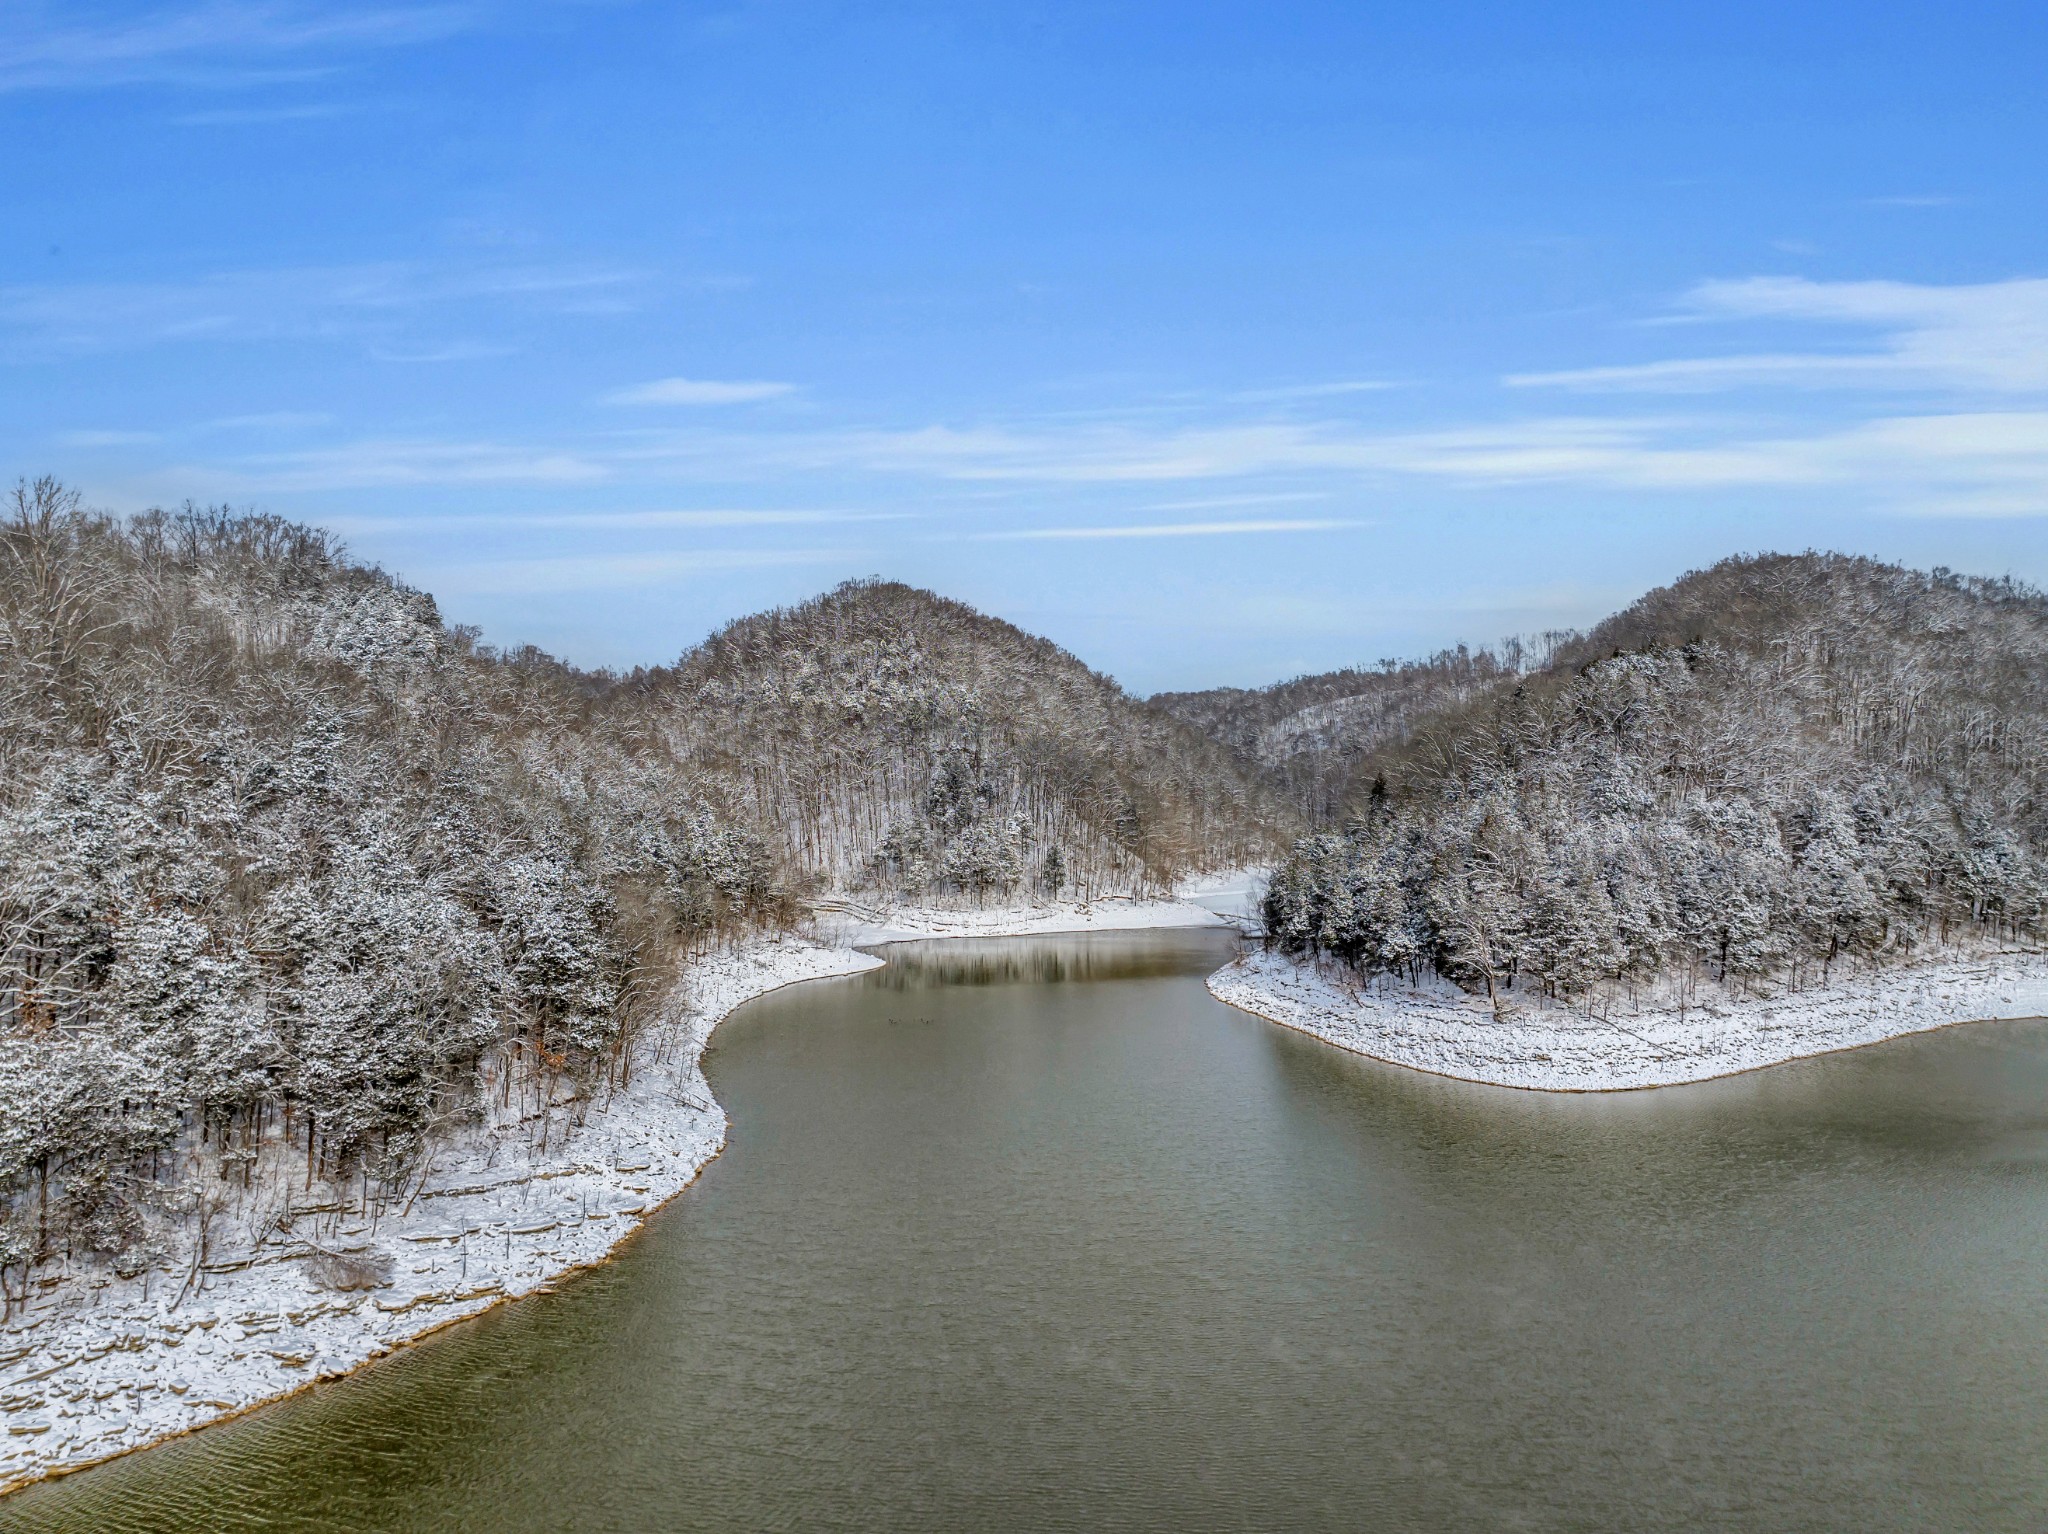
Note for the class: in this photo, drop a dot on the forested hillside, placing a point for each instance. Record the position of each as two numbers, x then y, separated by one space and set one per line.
1310 736
292 872
906 744
1768 767
284 861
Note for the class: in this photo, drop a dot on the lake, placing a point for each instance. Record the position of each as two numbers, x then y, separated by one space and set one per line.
1032 1233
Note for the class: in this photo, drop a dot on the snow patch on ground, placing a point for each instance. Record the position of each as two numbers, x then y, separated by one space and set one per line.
95 1368
861 926
1234 895
99 1366
1438 1028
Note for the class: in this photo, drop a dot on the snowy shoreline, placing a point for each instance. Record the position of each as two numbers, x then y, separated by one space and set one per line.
108 1367
115 1371
1209 904
1439 1029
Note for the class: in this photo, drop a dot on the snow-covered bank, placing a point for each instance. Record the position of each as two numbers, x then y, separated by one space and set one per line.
97 1367
1233 895
1440 1029
860 927
1226 899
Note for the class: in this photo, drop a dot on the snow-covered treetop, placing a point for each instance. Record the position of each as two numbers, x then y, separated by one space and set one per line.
1766 766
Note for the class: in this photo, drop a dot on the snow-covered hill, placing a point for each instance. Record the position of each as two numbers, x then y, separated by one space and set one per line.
1775 768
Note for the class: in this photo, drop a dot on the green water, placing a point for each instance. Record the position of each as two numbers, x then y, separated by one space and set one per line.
1033 1234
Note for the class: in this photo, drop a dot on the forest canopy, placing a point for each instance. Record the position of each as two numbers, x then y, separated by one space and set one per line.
291 867
900 742
1748 776
283 856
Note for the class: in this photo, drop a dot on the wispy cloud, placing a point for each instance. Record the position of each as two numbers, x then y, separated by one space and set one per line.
1914 455
1054 453
616 572
108 438
247 117
623 521
1984 462
268 421
227 42
1174 529
1461 609
394 462
1097 454
1255 498
375 303
1316 390
729 517
699 391
1892 460
1981 336
452 351
1962 457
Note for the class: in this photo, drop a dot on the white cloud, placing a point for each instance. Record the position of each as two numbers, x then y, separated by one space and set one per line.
452 351
269 421
729 517
1099 454
376 303
1174 529
1959 462
228 42
1316 391
1185 454
1256 498
699 391
1889 460
91 438
1981 336
381 463
615 521
1366 611
613 572
249 117
1978 341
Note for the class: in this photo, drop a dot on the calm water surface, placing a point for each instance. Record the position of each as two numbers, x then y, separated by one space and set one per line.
1033 1234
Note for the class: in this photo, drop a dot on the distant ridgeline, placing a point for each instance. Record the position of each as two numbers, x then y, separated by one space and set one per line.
900 742
291 872
1765 767
1311 737
289 869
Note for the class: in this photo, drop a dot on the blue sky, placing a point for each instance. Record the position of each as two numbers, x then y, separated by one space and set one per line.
1217 341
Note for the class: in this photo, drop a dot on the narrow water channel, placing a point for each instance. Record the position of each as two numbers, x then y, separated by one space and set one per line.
1033 1234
